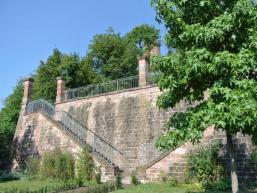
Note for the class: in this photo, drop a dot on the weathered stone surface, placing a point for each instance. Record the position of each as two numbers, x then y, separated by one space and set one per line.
131 122
175 164
39 135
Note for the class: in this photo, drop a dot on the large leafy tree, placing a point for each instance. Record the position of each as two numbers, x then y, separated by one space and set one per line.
114 55
8 119
216 52
45 77
144 37
71 67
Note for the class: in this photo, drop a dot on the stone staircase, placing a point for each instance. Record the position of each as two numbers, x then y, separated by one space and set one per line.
76 130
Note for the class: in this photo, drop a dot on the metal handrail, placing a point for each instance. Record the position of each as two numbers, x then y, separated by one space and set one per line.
76 128
101 88
107 87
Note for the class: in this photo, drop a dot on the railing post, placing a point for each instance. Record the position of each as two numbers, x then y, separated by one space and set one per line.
60 89
143 65
28 83
27 92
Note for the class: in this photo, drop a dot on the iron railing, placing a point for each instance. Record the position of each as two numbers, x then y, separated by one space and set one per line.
101 88
76 129
106 87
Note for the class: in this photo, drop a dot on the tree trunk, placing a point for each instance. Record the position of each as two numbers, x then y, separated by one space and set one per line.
233 171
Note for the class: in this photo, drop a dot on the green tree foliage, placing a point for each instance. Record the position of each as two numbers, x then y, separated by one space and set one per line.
9 115
47 168
114 56
86 166
45 77
32 166
75 71
204 166
64 166
58 165
216 50
144 37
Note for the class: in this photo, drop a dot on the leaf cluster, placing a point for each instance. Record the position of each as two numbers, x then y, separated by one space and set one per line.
213 67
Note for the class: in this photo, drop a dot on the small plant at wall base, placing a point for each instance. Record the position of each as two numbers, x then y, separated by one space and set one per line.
86 166
134 180
47 169
32 167
164 177
118 181
64 166
58 165
98 176
204 168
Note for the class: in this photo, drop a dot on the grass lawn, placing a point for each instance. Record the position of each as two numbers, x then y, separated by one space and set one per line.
25 184
162 188
36 185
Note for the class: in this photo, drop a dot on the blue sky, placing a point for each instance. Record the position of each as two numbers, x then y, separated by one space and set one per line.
30 29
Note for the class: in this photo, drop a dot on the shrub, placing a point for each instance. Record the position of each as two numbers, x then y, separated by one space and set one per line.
102 188
86 165
79 182
134 180
164 176
47 169
118 181
223 184
64 166
98 178
58 165
173 182
38 187
204 166
32 166
9 176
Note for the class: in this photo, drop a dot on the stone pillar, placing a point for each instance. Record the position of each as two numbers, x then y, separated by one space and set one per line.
143 65
60 89
28 83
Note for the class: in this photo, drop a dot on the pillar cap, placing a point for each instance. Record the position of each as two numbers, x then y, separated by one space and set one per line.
29 79
144 57
59 78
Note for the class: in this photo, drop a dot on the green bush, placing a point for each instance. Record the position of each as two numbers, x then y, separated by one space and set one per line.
9 176
164 177
204 166
32 166
64 166
173 182
86 166
223 184
39 186
47 169
58 165
98 178
118 181
134 180
102 188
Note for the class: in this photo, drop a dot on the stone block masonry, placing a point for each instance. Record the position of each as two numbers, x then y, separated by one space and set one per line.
174 162
40 135
130 121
